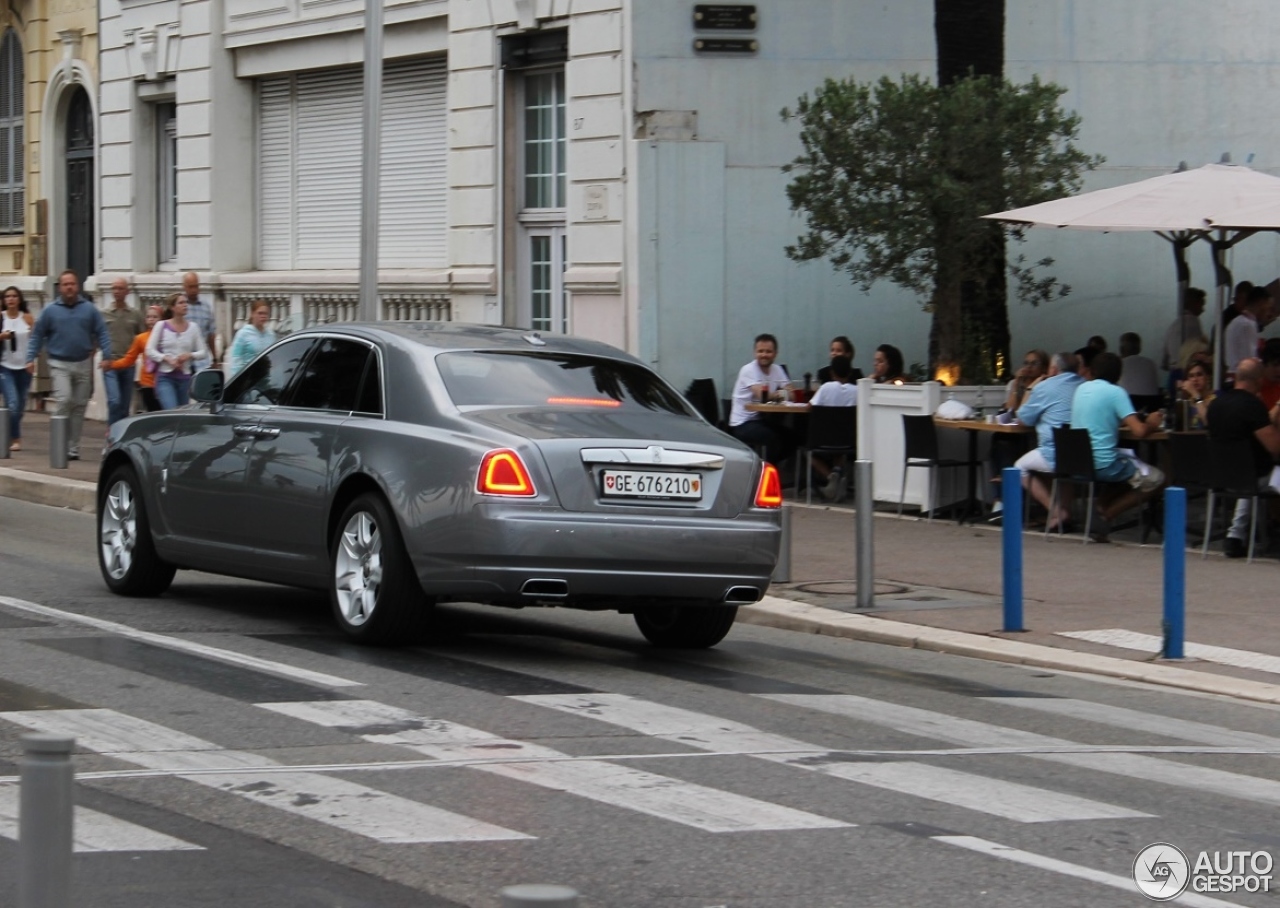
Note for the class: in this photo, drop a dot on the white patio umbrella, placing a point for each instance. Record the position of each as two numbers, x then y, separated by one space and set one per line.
1219 203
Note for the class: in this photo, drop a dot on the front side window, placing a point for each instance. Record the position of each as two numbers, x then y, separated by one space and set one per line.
331 378
12 136
263 381
558 380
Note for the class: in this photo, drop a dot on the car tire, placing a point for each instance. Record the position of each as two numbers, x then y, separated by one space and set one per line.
373 589
126 552
685 626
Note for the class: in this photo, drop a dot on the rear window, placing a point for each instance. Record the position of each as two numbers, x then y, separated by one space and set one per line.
531 380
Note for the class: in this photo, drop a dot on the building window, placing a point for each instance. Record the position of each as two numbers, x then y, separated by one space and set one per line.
12 136
544 140
166 113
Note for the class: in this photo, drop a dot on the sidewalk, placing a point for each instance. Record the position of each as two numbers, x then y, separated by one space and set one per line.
939 586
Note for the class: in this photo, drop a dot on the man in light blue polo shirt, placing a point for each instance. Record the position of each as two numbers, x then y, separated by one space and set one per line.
1048 405
1101 406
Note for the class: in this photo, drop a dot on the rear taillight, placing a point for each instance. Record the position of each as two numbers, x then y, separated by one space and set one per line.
502 472
769 491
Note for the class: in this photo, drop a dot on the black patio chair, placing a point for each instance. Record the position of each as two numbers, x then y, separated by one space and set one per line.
832 430
1073 462
1233 476
920 449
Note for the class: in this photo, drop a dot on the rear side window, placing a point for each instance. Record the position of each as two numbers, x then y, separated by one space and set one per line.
533 380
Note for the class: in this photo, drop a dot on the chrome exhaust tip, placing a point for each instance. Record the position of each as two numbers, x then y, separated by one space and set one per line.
742 595
543 588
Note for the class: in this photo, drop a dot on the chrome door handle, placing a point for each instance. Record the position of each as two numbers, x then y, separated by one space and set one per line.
245 430
267 432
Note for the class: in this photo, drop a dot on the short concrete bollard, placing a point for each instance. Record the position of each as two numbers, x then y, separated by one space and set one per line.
58 434
782 570
539 895
45 822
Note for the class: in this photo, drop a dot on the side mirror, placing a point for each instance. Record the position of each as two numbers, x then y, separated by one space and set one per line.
207 385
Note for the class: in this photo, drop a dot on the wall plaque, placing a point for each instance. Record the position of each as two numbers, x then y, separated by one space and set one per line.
726 45
739 17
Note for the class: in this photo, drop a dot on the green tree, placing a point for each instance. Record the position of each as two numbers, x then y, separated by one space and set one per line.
895 176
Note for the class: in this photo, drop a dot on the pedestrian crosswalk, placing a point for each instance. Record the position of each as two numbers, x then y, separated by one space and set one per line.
94 831
923 779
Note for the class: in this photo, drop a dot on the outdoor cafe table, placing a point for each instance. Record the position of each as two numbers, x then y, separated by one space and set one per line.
974 426
778 408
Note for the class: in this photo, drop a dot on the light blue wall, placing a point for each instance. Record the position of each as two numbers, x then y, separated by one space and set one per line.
1156 82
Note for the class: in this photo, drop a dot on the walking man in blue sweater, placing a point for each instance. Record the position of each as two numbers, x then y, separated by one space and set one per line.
69 329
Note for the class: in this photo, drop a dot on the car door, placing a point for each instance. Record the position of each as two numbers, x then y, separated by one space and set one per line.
204 488
296 443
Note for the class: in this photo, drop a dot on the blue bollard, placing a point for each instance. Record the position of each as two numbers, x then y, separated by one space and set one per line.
1011 532
1174 624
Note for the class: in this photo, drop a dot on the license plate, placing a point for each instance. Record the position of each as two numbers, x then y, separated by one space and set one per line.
651 484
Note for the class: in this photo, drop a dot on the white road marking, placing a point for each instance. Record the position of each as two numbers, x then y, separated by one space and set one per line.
1138 720
1149 643
334 802
925 723
1011 800
186 646
94 831
598 780
1031 859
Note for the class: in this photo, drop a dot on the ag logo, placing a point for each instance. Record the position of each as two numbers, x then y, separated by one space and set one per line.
1161 871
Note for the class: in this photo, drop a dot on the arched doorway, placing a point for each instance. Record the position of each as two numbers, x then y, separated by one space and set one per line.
80 201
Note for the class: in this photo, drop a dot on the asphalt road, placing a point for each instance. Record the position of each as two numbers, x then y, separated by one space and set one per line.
234 750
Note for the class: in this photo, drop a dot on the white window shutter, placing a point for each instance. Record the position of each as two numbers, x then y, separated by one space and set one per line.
309 164
275 174
413 212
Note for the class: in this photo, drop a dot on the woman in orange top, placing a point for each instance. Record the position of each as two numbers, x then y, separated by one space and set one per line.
146 378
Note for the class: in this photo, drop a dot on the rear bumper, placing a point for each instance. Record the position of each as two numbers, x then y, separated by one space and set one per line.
601 561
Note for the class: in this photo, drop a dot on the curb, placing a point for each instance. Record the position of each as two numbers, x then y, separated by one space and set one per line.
786 614
55 491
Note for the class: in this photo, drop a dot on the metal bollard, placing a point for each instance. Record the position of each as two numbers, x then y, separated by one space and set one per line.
4 433
539 895
44 822
866 534
1011 531
1175 572
58 433
782 570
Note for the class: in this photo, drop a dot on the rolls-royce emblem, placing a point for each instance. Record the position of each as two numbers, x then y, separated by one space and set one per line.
656 453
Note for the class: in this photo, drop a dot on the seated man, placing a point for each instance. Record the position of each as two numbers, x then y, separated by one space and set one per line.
1102 407
1238 413
761 375
1048 406
1138 376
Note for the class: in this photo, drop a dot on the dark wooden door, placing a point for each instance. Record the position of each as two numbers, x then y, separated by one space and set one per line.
80 201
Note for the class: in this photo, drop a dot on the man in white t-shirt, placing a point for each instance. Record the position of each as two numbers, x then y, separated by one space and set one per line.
761 376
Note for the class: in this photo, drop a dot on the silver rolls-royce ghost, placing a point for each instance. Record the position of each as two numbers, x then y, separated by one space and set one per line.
401 464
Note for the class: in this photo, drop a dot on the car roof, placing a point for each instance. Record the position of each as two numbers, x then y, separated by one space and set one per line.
453 336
